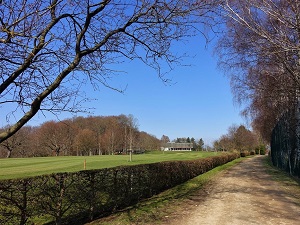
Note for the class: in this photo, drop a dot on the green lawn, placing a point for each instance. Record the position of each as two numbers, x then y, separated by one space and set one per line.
26 167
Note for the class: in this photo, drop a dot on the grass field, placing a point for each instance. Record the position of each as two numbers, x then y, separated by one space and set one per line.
26 167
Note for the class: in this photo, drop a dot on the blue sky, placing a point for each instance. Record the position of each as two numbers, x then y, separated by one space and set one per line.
197 103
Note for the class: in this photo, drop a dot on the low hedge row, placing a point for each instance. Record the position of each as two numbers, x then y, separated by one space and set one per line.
245 153
75 198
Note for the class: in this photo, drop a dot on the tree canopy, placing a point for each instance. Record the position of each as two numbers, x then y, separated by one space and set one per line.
238 138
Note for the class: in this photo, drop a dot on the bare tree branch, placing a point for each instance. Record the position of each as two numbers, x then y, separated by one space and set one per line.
46 47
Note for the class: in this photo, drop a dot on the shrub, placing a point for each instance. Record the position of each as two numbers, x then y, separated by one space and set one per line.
245 153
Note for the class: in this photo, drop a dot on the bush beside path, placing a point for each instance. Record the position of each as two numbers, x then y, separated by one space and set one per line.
249 193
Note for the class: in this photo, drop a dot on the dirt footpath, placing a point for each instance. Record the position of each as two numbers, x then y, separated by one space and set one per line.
244 194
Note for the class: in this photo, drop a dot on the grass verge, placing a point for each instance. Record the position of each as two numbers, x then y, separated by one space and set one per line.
278 174
155 209
290 184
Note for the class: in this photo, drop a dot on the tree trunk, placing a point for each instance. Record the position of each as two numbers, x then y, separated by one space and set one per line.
8 154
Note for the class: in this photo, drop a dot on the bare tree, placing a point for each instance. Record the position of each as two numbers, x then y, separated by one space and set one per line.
148 142
238 138
18 143
56 137
164 139
260 49
224 143
86 142
132 124
49 49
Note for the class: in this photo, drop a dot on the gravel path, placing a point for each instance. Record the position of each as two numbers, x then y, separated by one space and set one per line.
244 194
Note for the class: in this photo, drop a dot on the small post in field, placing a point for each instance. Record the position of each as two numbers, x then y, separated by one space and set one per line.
84 164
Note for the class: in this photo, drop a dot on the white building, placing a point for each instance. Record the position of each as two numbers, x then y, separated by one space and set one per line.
173 146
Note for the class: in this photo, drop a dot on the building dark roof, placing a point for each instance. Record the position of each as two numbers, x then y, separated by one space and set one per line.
178 145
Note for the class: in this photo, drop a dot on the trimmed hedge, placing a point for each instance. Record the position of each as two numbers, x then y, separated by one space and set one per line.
76 198
245 154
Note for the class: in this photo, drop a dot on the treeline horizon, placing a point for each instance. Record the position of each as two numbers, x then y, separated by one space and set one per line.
107 135
77 136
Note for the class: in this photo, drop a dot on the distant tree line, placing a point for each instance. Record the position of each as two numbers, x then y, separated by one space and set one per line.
241 139
94 135
238 138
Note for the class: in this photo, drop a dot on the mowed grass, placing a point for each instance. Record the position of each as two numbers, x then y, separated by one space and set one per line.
27 167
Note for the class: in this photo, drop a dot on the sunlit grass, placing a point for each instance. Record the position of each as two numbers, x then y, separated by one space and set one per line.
27 167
